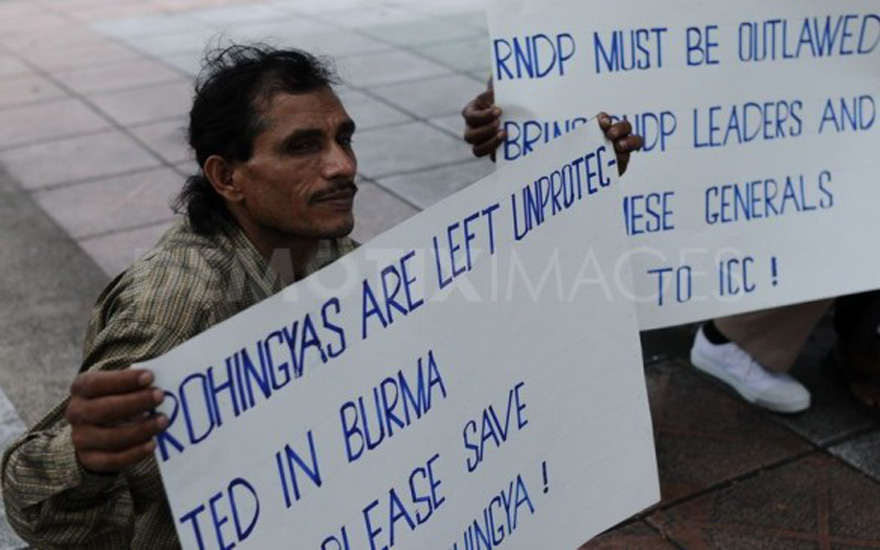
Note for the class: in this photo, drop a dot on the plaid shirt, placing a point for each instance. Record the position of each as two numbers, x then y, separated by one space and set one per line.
183 286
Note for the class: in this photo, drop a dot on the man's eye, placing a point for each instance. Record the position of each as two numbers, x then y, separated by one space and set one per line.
346 140
303 146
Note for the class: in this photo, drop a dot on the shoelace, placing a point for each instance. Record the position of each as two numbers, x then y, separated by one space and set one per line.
752 366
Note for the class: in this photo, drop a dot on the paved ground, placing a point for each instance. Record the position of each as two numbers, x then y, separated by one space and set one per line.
93 95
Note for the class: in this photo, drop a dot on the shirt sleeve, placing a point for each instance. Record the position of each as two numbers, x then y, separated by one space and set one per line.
51 501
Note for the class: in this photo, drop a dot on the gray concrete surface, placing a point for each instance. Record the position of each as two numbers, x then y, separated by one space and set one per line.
49 285
48 288
11 427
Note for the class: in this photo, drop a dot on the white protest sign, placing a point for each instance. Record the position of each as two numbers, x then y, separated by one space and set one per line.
758 184
462 380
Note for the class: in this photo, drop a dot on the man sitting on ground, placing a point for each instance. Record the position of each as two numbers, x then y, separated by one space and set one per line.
272 203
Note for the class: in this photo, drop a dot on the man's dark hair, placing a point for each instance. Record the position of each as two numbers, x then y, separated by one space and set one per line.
225 117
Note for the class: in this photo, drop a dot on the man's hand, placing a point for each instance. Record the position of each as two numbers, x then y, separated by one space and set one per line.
620 134
109 414
482 119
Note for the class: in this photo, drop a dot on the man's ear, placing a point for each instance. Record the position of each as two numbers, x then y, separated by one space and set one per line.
220 173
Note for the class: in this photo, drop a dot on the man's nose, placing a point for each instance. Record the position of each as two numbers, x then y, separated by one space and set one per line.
340 162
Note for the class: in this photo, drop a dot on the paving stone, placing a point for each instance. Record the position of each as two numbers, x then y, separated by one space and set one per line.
75 159
17 10
183 6
163 45
453 123
118 76
58 60
190 63
148 25
36 376
339 44
11 427
814 503
704 436
45 121
24 89
10 67
431 97
831 415
633 536
42 22
481 75
101 13
406 148
287 32
368 112
167 139
862 452
115 252
69 6
113 204
422 32
156 103
451 8
366 16
74 37
386 67
377 211
317 6
466 16
425 188
48 288
187 168
465 55
238 15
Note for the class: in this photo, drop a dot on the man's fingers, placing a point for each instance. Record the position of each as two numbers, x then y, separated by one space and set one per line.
112 408
481 110
489 147
481 134
628 144
98 438
482 123
100 383
475 118
618 130
108 462
485 100
623 148
622 162
604 121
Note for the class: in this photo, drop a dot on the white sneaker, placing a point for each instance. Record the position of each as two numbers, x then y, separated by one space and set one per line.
776 391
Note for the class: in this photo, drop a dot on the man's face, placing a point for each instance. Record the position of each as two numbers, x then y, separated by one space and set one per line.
299 181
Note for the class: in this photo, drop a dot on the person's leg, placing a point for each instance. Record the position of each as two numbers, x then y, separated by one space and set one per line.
774 337
752 351
857 323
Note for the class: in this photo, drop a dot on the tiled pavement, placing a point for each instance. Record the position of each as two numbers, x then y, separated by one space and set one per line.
93 96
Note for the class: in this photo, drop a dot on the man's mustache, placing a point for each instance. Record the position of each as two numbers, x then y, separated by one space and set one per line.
341 189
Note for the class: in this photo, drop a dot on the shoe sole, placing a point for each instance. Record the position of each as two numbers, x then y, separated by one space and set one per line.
706 367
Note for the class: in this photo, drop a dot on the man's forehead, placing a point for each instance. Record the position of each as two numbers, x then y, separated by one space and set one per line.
317 107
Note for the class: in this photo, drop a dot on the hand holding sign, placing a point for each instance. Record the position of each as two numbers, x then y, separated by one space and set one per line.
482 119
472 403
109 417
756 184
620 134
